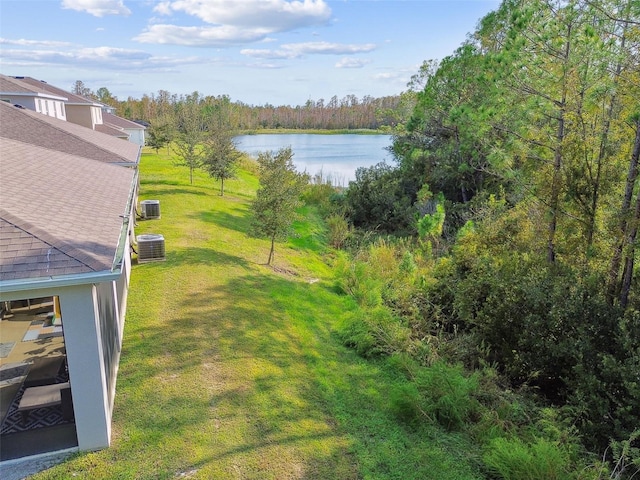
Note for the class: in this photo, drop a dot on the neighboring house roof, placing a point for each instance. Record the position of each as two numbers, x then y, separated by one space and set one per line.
44 131
73 99
13 86
113 131
121 122
60 214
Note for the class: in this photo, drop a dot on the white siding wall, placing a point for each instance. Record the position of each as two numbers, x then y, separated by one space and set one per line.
26 102
96 116
136 136
46 106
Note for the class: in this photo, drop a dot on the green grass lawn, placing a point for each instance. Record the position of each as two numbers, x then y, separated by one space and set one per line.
230 369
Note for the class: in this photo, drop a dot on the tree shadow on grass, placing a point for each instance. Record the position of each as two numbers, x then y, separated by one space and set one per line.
237 218
256 349
204 256
157 181
193 256
251 371
162 192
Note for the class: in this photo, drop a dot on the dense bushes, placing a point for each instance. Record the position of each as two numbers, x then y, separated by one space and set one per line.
497 311
552 329
378 200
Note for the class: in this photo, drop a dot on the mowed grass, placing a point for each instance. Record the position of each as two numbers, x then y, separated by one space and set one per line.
230 369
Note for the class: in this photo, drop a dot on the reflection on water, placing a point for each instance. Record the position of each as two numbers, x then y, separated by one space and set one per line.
334 156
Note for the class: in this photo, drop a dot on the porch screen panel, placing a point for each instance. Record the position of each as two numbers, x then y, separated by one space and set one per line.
109 333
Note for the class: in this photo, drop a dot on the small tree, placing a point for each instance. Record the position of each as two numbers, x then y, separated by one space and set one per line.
278 196
79 88
221 156
188 147
159 134
105 96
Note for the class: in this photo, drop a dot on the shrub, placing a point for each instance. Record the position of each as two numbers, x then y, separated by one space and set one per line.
448 393
513 459
549 327
339 230
405 401
375 332
626 456
320 194
354 278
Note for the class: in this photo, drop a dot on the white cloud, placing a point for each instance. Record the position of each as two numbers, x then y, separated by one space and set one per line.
386 76
329 48
233 21
97 8
100 58
34 43
264 66
295 50
275 15
199 36
352 63
265 53
163 8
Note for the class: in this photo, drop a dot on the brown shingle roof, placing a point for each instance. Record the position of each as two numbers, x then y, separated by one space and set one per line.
60 213
112 130
26 256
13 85
121 122
39 84
44 131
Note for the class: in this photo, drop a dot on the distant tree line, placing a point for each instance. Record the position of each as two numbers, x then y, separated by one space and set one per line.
348 113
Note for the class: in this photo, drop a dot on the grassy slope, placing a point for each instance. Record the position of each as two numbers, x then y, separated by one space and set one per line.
230 369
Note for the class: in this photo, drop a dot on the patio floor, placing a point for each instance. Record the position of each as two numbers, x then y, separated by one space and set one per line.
26 335
35 442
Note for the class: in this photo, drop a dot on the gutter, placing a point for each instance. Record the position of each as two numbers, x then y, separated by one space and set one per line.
126 219
21 285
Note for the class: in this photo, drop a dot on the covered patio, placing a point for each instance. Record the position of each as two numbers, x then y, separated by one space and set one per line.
33 356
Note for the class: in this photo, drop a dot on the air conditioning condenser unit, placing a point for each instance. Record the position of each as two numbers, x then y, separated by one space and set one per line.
150 247
150 209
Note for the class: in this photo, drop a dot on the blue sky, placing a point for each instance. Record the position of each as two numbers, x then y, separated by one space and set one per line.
282 52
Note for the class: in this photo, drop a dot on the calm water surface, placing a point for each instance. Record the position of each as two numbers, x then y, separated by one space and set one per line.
335 156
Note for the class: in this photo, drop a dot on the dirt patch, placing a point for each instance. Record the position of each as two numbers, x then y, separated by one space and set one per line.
285 271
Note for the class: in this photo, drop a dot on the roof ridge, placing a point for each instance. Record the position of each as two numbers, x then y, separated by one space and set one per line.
36 116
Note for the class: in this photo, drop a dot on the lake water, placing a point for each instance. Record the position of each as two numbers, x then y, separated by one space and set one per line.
335 156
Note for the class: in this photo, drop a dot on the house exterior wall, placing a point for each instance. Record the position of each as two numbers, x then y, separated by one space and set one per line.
136 136
50 107
46 106
96 115
25 101
80 115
